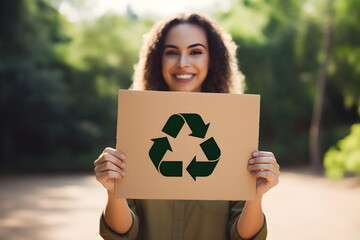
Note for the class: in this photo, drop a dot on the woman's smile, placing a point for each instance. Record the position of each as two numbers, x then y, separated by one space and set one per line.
183 77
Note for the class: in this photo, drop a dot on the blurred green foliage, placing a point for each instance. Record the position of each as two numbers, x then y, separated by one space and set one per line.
345 156
59 80
59 85
280 45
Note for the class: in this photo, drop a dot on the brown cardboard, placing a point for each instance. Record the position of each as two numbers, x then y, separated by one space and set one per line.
234 126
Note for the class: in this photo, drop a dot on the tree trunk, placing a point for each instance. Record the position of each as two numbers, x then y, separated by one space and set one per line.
316 122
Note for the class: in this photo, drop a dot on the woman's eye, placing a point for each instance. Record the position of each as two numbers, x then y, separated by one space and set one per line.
195 52
170 53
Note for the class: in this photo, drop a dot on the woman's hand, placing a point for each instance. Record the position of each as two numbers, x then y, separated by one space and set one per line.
267 171
109 166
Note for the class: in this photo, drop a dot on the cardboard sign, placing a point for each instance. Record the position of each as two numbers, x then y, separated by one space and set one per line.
187 145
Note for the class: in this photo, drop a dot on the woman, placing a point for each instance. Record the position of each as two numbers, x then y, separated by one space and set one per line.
189 53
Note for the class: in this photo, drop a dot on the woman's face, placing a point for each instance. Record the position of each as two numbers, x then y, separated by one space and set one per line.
185 58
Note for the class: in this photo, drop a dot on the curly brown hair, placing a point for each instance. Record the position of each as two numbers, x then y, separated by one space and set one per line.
223 75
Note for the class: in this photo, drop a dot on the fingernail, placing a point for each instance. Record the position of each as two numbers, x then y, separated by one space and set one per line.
123 174
255 154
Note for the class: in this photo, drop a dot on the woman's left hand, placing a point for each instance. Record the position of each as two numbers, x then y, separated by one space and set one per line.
267 171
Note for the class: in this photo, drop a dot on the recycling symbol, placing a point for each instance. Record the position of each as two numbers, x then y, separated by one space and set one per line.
175 168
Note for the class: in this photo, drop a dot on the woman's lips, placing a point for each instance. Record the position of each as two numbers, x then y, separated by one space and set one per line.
184 77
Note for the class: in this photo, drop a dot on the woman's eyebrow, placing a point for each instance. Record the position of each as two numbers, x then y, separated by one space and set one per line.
196 45
171 46
190 46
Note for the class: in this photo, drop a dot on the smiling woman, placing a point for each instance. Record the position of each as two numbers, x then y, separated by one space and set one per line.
186 53
191 48
185 58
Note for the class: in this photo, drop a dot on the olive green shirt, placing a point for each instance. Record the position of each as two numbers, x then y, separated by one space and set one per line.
182 220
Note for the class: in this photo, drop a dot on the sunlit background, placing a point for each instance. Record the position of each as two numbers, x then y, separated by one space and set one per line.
62 62
77 11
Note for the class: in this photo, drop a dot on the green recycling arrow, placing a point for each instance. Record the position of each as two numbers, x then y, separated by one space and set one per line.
173 125
211 149
200 168
158 150
174 168
195 122
171 168
205 168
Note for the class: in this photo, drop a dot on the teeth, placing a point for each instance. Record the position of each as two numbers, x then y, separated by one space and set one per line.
184 76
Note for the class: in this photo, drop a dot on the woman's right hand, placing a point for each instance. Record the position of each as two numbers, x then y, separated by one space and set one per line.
109 166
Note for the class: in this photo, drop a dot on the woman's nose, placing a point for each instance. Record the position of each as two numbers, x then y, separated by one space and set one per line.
183 60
